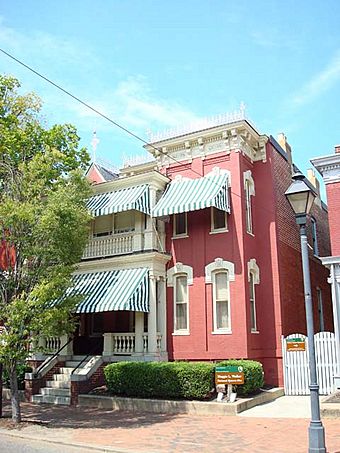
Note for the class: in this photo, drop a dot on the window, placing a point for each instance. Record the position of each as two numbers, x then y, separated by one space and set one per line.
249 191
314 238
102 226
221 301
97 324
218 220
181 304
252 303
253 279
180 277
320 309
124 222
180 224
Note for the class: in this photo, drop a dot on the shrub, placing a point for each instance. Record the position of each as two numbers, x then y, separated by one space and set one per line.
253 374
22 368
180 380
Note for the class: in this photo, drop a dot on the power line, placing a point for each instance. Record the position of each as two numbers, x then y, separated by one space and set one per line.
76 98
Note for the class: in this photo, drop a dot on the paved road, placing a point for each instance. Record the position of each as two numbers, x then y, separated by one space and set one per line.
10 444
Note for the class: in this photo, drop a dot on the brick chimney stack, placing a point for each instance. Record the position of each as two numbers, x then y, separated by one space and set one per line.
282 140
337 149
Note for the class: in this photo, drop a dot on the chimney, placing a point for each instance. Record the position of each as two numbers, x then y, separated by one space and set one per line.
337 149
313 180
282 140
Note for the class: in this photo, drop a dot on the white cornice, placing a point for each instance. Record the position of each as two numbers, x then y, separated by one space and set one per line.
328 167
153 178
239 136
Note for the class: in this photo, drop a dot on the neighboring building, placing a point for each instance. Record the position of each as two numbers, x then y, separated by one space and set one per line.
213 273
329 167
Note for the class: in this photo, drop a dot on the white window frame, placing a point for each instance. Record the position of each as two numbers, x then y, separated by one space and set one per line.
218 230
249 191
173 273
253 279
180 235
217 329
211 270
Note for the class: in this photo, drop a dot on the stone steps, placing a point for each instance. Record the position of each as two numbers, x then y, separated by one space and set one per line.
58 390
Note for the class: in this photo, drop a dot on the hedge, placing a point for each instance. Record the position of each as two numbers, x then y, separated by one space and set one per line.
175 380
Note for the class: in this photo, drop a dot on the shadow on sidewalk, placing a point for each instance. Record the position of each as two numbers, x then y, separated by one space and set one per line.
86 417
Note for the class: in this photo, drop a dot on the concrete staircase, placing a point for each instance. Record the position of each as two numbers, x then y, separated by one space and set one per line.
58 391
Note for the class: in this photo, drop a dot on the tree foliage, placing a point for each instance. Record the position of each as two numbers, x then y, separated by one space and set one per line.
43 222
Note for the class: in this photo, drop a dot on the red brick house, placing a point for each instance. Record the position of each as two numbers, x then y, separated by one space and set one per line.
193 256
329 167
234 281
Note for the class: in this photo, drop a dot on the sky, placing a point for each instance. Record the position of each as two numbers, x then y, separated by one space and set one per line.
155 65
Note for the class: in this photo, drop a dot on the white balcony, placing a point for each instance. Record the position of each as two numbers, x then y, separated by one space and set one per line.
118 244
125 343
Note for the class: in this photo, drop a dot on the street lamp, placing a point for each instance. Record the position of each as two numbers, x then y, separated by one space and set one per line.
301 199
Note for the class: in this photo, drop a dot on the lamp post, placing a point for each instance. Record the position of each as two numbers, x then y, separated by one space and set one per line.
301 199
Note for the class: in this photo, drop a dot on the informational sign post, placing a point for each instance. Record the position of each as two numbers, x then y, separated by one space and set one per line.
229 375
296 344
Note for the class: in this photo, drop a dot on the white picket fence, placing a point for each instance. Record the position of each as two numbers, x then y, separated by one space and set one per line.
296 367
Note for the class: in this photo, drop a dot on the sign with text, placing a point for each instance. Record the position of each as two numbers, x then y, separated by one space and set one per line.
296 344
229 375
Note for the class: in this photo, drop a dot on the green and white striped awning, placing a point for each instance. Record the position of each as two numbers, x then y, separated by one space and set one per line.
132 198
123 289
194 194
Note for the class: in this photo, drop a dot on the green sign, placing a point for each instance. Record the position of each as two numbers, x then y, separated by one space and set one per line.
296 340
229 369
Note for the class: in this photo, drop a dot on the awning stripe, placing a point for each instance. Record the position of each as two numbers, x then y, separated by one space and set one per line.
132 198
194 194
123 289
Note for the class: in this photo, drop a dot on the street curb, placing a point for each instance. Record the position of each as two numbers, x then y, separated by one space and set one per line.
178 407
106 449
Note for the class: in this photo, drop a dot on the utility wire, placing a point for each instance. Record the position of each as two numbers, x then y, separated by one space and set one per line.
132 134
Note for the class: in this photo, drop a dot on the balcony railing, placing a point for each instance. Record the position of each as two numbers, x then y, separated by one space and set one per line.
119 244
125 343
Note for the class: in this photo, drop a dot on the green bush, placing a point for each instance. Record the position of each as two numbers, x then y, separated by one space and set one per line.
253 374
21 370
174 380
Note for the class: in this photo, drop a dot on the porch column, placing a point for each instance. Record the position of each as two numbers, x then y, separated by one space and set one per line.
149 241
139 331
137 235
334 280
162 312
152 318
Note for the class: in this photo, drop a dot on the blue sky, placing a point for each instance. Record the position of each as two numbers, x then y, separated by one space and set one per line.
158 64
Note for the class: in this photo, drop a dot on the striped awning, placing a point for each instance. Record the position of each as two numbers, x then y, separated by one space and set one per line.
194 194
132 198
123 289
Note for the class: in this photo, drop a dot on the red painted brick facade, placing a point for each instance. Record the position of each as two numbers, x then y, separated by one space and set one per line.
333 200
275 245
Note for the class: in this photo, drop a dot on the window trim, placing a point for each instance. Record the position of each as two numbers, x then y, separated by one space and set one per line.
254 275
180 235
186 330
180 269
214 230
249 191
220 330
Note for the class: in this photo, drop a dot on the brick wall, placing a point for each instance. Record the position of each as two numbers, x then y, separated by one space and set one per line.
333 200
289 254
78 387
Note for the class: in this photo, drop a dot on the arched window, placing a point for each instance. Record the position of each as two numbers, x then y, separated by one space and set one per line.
179 278
249 191
220 273
254 279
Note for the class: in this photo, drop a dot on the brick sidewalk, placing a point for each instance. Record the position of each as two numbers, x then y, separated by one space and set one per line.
145 432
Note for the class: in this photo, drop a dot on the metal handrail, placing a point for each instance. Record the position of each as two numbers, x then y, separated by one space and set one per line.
83 360
37 371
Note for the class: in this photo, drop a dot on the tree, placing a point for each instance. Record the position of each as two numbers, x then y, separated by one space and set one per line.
43 226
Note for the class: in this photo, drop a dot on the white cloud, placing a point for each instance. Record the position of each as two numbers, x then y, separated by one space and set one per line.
319 84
